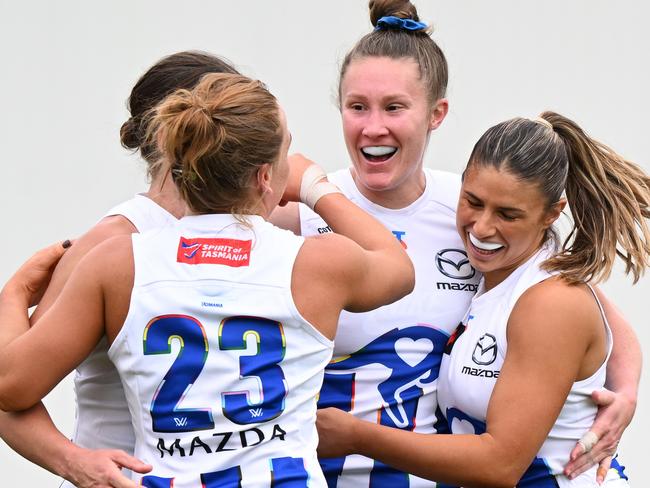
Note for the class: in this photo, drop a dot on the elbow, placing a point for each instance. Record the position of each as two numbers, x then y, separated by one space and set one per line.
505 476
411 276
13 397
495 479
499 467
507 482
405 277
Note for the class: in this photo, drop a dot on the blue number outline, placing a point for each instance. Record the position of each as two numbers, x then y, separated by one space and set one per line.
157 339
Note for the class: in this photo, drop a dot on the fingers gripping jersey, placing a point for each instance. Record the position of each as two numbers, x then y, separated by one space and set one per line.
386 362
220 371
471 367
102 416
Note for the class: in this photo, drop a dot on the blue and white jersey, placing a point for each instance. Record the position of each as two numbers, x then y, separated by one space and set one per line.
102 416
386 361
471 367
220 370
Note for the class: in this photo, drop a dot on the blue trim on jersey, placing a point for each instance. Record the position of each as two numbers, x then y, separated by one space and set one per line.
620 469
538 474
383 476
440 424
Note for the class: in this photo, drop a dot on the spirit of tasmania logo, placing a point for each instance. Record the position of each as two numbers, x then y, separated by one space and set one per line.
202 250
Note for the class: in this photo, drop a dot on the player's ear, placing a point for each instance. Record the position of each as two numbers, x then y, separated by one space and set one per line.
264 177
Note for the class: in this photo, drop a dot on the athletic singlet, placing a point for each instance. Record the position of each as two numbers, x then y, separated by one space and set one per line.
220 370
471 366
386 361
102 418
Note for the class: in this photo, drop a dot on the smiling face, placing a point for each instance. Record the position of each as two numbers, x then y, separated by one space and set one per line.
502 220
387 120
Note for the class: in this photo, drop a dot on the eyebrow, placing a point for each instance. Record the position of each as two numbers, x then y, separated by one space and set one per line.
502 209
384 99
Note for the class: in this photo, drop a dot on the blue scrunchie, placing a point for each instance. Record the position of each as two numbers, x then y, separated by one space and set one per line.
391 22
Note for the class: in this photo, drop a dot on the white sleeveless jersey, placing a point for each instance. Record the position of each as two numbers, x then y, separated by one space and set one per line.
471 366
102 418
220 370
386 361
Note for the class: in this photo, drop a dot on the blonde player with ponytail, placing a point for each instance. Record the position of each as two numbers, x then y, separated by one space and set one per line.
392 97
518 373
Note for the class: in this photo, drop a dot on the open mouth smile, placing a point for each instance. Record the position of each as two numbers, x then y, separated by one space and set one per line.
484 247
378 154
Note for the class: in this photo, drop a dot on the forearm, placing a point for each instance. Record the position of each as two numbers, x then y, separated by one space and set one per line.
346 218
624 366
14 322
14 319
383 260
625 362
33 435
467 460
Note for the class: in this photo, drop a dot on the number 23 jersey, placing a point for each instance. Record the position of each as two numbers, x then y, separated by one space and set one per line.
219 368
386 361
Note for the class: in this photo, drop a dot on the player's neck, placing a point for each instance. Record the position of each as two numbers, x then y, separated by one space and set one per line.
163 191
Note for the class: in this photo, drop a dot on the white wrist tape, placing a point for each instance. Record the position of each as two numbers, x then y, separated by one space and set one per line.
312 188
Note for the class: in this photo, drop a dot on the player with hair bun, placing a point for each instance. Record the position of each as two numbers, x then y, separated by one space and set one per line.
391 97
220 325
103 438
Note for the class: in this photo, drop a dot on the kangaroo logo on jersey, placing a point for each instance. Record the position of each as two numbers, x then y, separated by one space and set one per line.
411 355
485 351
453 263
202 250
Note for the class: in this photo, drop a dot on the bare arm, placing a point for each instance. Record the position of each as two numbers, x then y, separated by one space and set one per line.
616 405
22 429
359 267
79 311
375 268
31 433
85 468
625 362
50 449
499 457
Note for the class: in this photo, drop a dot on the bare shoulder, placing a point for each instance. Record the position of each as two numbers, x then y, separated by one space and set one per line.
326 269
553 306
330 254
112 258
105 229
110 264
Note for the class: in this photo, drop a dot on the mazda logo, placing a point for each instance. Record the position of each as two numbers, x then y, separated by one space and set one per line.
485 351
453 263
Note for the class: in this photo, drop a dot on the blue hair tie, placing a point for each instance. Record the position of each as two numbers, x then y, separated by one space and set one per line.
392 22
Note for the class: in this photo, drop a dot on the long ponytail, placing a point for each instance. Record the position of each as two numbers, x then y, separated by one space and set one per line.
609 199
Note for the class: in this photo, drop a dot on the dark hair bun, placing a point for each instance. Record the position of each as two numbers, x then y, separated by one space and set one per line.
397 8
129 136
182 70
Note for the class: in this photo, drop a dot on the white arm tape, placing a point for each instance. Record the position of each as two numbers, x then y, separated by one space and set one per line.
312 188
